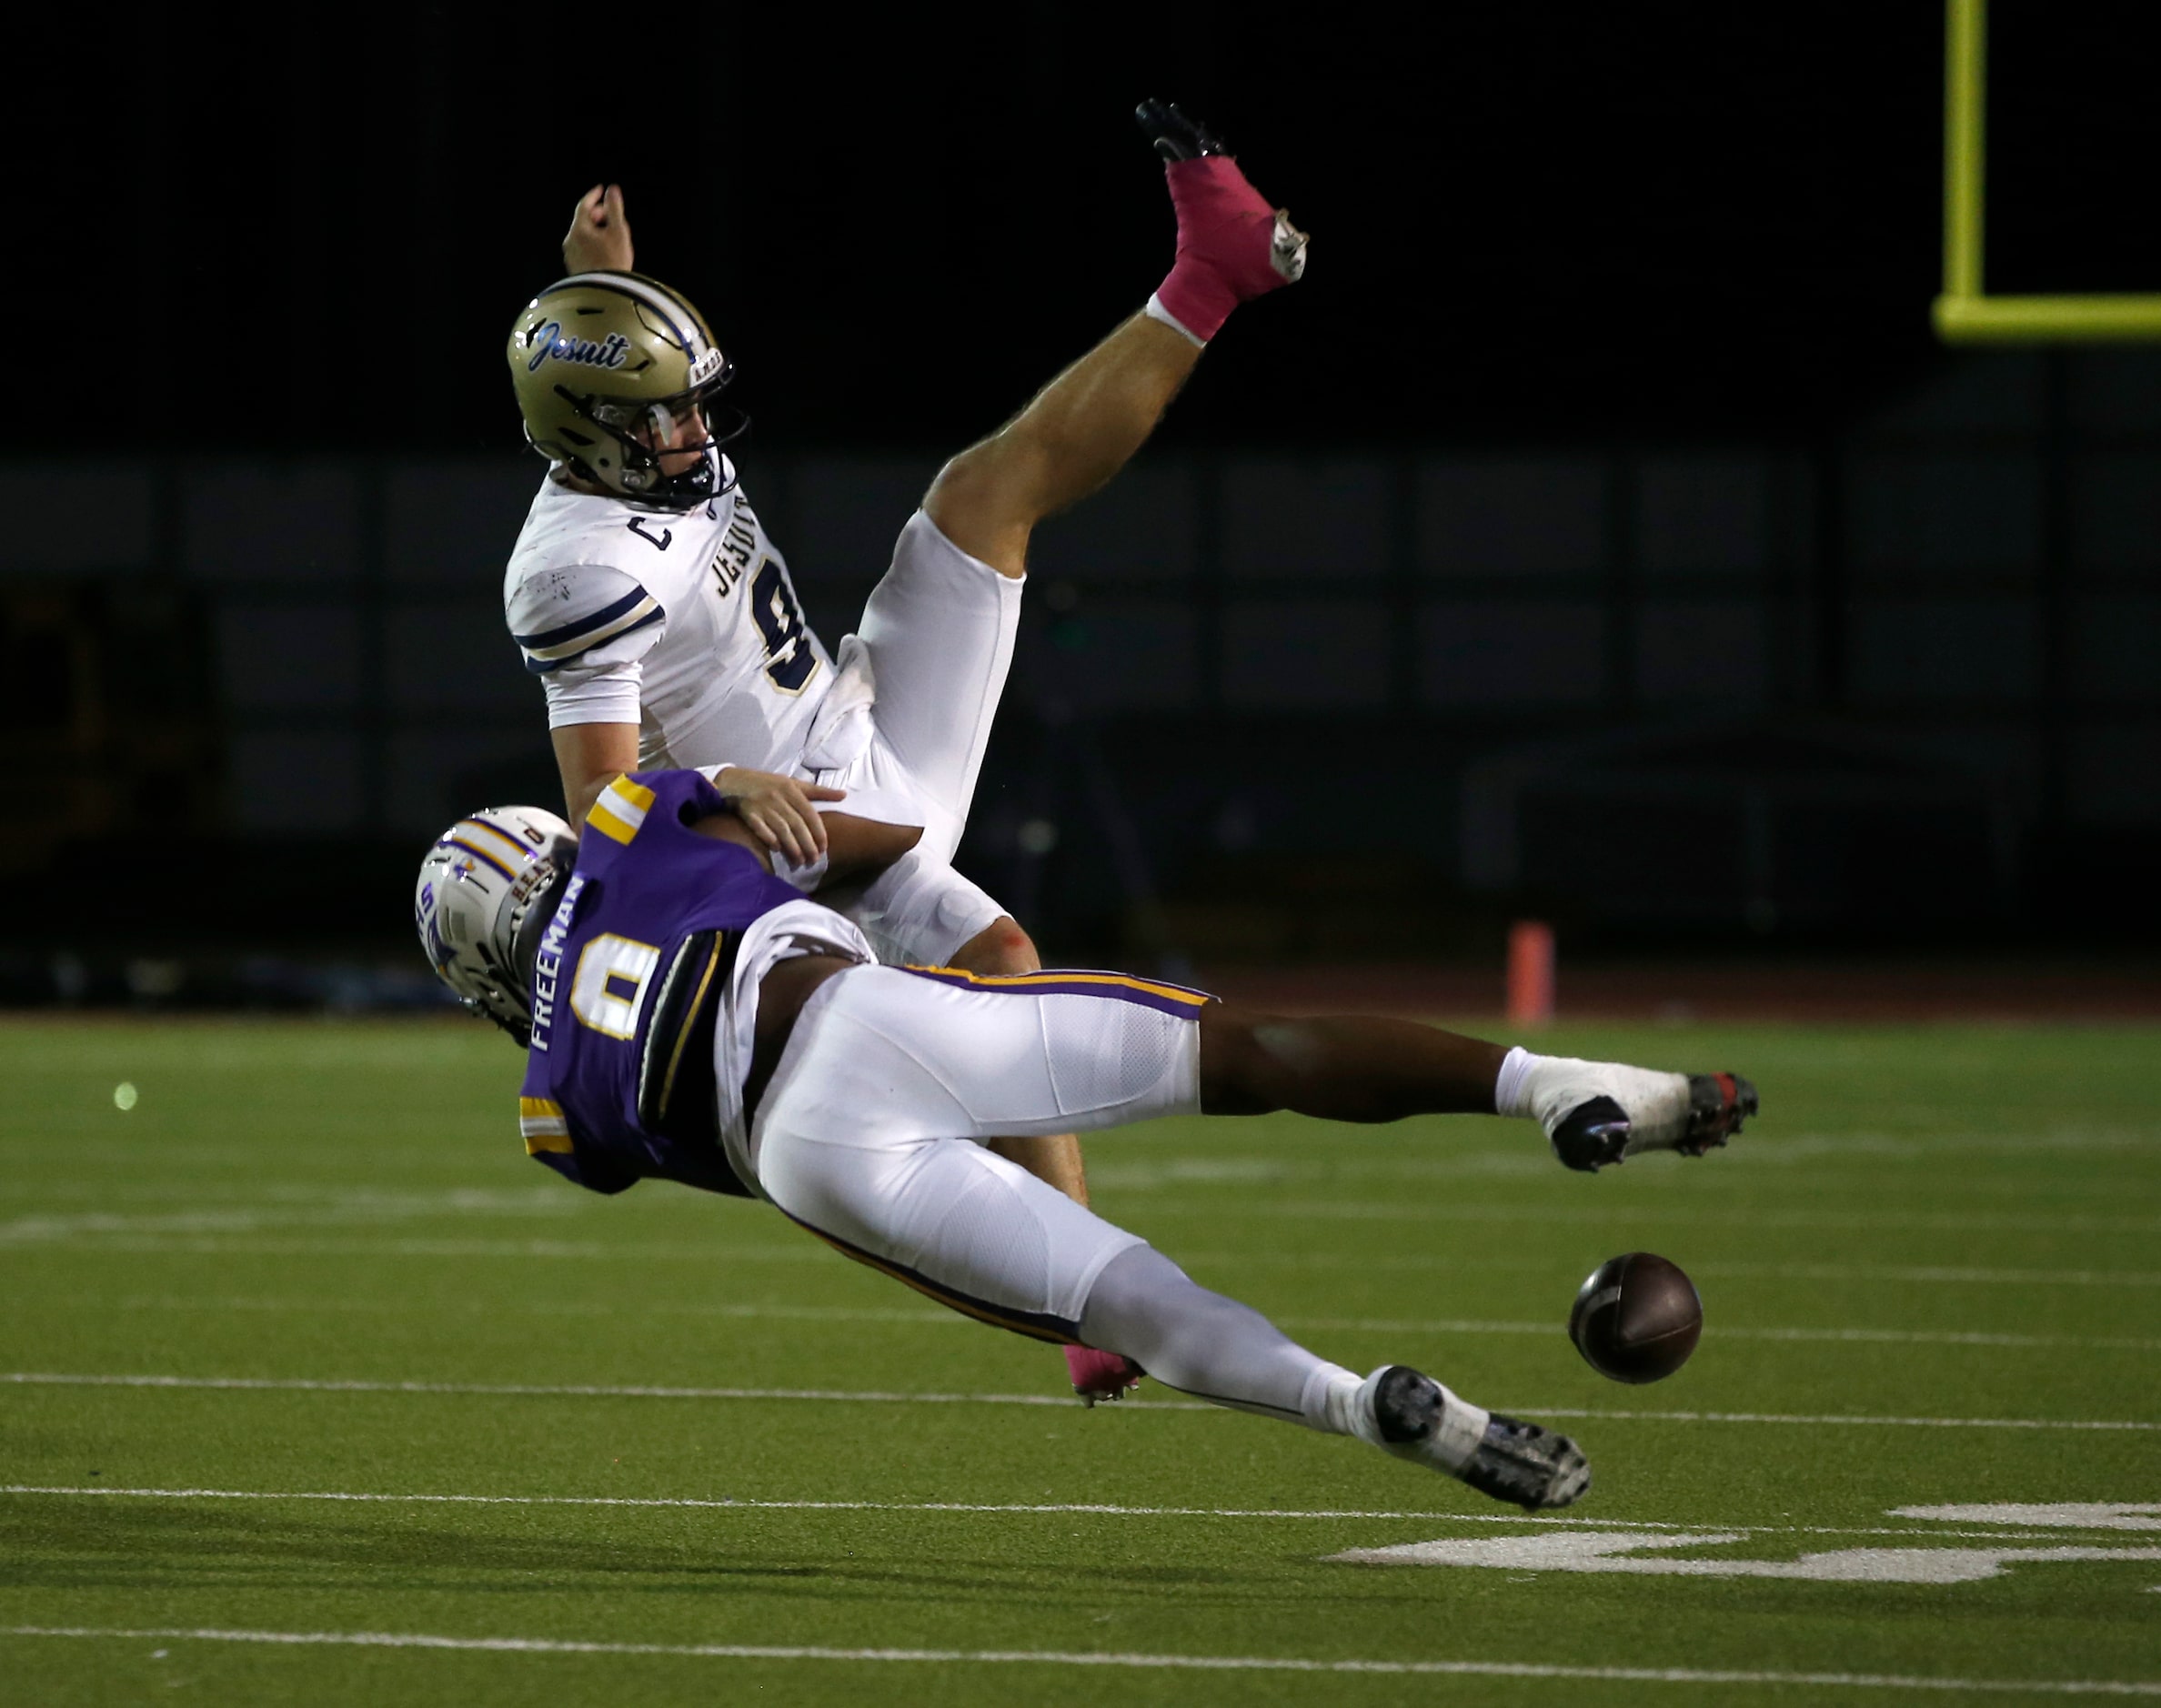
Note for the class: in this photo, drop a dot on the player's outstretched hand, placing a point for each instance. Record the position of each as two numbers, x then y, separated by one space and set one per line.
598 240
1101 1375
778 810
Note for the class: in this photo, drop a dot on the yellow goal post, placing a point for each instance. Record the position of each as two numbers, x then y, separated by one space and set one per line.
1965 312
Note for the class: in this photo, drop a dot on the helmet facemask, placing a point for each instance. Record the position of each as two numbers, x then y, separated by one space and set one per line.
640 477
486 889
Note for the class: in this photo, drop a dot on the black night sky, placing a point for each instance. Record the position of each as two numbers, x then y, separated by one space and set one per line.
1541 223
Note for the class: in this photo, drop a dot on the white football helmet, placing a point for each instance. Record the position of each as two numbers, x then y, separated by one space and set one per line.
478 886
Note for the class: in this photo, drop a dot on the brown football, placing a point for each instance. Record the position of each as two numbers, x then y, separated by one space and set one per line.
1636 1318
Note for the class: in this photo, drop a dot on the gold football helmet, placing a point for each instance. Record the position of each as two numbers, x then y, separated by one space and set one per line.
609 368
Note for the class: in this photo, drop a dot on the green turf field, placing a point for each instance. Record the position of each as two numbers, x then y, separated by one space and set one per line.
311 1263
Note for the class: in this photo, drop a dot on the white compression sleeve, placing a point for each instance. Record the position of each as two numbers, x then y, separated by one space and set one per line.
1144 1306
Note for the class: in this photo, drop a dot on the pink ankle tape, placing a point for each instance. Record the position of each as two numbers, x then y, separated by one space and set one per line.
1224 232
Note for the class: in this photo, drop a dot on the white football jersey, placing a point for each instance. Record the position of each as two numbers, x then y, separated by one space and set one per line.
685 623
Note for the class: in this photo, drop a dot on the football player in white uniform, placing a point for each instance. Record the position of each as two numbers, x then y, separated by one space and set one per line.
646 594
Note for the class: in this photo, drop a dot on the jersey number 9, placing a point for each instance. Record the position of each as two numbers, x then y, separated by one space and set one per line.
788 658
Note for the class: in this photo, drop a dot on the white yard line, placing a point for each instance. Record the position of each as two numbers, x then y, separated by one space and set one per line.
1044 1508
721 1249
1898 1337
344 1208
1957 1275
946 1319
1666 1210
1441 1261
496 1307
881 1396
1370 1262
583 1391
1837 1419
1141 1662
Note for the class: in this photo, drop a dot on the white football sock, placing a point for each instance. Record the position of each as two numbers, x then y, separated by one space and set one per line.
1546 1088
1511 1089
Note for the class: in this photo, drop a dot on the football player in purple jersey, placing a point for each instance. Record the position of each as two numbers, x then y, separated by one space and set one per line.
690 1013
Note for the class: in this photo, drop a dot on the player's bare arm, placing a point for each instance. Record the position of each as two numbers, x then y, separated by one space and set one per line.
598 240
856 848
777 809
590 757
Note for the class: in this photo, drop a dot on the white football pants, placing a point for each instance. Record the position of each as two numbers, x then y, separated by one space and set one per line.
870 1136
939 630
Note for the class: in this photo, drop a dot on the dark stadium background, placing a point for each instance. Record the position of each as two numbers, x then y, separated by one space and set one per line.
1599 534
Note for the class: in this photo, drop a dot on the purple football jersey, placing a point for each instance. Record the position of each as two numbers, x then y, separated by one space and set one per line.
638 948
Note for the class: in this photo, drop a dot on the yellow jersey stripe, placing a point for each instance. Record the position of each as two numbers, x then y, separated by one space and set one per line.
620 809
637 794
540 1121
1007 980
608 824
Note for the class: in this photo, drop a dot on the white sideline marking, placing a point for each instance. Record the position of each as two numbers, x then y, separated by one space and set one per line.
1053 1657
1620 1551
876 1397
946 1319
1654 1529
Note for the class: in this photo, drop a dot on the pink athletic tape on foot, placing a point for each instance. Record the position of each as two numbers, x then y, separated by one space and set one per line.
1101 1375
1231 247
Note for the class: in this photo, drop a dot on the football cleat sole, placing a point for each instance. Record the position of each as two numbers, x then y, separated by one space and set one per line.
1176 134
1527 1466
1597 1133
1717 1105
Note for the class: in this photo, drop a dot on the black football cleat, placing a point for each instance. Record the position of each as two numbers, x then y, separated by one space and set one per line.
1527 1466
1594 1127
1717 1105
1176 134
1593 1135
